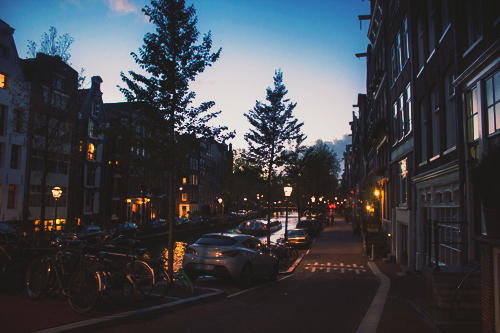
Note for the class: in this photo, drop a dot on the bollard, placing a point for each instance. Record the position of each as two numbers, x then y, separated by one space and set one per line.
373 251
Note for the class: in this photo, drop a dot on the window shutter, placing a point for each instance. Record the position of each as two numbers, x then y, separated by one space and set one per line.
97 176
96 203
85 176
99 152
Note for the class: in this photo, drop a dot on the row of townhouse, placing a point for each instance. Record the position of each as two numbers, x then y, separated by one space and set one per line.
432 105
51 135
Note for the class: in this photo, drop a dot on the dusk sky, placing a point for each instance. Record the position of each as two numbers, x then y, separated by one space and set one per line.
313 42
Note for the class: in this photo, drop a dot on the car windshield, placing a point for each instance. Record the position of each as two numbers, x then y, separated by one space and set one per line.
216 241
5 227
295 233
303 224
78 228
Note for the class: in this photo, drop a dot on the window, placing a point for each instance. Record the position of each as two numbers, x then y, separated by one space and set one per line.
407 110
4 81
493 102
435 122
89 202
184 196
395 124
406 42
402 182
399 58
423 130
451 119
4 51
15 152
184 180
11 196
91 152
472 122
95 109
194 180
58 82
401 117
421 42
432 25
3 123
92 129
474 21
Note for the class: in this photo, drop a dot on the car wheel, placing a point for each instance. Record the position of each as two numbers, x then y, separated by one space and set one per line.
245 277
274 273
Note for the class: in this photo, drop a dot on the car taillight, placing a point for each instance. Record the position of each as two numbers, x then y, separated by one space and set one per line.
232 253
190 250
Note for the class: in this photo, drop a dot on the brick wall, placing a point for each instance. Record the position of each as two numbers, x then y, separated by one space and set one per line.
488 287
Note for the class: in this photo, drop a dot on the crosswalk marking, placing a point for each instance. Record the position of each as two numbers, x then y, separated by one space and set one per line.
342 267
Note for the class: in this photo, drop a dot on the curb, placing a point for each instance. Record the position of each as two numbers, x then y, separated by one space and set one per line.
292 268
129 316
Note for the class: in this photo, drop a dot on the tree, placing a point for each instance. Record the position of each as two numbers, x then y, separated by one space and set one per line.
53 45
171 61
275 130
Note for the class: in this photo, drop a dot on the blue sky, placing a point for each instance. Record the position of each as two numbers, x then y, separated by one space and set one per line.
313 42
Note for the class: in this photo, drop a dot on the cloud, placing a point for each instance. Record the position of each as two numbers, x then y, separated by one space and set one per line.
121 6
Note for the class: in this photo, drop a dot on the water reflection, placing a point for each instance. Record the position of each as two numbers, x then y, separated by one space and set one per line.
180 247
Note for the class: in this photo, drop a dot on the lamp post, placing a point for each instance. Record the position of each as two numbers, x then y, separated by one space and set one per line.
56 193
288 191
220 204
313 200
320 200
246 205
258 199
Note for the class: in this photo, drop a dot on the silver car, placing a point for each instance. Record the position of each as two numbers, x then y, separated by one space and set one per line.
240 257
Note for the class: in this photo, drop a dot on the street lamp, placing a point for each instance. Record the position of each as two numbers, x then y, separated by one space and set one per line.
320 200
246 206
220 216
288 191
56 193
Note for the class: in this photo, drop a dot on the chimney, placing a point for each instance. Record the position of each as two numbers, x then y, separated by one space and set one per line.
96 81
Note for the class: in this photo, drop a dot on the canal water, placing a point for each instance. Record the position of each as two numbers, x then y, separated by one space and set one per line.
180 247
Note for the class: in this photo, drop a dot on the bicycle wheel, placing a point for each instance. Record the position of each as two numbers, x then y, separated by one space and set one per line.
15 272
37 277
143 277
84 289
119 287
162 282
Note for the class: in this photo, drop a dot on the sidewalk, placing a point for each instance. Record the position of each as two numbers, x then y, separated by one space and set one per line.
400 314
20 314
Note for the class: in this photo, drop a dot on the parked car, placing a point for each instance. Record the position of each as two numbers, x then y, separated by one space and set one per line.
298 238
89 233
233 256
241 213
196 221
7 232
182 223
160 225
309 225
128 229
231 216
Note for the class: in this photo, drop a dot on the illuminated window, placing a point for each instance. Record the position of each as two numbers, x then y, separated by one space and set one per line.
184 180
184 196
91 152
4 81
